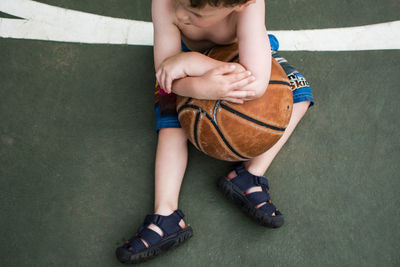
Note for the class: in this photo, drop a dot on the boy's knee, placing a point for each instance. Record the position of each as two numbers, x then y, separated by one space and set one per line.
300 109
172 133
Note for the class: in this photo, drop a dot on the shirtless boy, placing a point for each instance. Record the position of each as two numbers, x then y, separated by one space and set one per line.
197 25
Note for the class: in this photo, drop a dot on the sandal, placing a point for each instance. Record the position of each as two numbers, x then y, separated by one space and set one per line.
148 243
257 204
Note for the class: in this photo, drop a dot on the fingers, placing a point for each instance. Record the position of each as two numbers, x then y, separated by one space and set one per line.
240 83
241 79
239 76
166 88
158 77
224 69
163 81
234 100
168 84
241 94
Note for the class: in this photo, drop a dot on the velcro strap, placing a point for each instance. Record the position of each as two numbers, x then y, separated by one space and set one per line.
168 224
244 181
240 169
261 180
150 236
257 197
153 218
180 213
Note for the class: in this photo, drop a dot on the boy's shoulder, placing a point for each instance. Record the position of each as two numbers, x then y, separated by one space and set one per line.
163 10
199 38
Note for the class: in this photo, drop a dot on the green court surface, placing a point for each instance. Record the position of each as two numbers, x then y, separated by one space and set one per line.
77 147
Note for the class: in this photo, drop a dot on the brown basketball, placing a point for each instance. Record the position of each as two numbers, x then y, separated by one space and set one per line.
238 132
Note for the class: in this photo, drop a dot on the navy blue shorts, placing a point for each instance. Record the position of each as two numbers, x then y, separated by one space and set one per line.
300 88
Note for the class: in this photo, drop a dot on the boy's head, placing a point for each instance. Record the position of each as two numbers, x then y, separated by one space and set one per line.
205 13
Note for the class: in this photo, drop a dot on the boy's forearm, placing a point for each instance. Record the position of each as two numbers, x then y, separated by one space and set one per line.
202 88
258 87
262 75
188 86
197 64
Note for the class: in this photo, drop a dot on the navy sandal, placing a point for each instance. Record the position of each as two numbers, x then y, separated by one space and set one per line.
135 250
257 204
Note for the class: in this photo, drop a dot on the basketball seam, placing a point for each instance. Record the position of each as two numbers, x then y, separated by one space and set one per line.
215 126
251 124
196 122
234 58
227 108
279 82
217 103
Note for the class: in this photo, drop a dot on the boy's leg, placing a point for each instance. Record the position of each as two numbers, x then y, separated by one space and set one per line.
301 94
171 159
170 165
259 165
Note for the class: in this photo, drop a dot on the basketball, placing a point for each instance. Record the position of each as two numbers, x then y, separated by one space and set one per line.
238 132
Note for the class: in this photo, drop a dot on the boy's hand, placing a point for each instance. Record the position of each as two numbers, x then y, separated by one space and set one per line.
171 69
226 82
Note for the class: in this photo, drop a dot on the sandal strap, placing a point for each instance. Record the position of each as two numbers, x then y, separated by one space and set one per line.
168 224
258 197
152 219
262 181
245 180
150 236
240 169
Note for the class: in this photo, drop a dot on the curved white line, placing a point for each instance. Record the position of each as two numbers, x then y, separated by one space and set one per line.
45 22
99 32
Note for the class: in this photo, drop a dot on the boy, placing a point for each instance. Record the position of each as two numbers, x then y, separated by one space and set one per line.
197 25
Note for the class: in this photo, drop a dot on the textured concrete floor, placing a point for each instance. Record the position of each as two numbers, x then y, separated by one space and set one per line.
77 145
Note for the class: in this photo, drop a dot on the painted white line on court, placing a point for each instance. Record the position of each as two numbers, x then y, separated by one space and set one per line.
370 37
45 22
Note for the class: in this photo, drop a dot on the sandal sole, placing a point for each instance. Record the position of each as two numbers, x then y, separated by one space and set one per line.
126 256
233 193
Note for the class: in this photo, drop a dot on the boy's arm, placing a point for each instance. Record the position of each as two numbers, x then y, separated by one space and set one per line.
195 63
215 85
223 82
254 47
170 64
167 38
183 65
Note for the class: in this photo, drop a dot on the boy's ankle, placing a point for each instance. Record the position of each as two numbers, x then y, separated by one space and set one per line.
254 170
164 210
